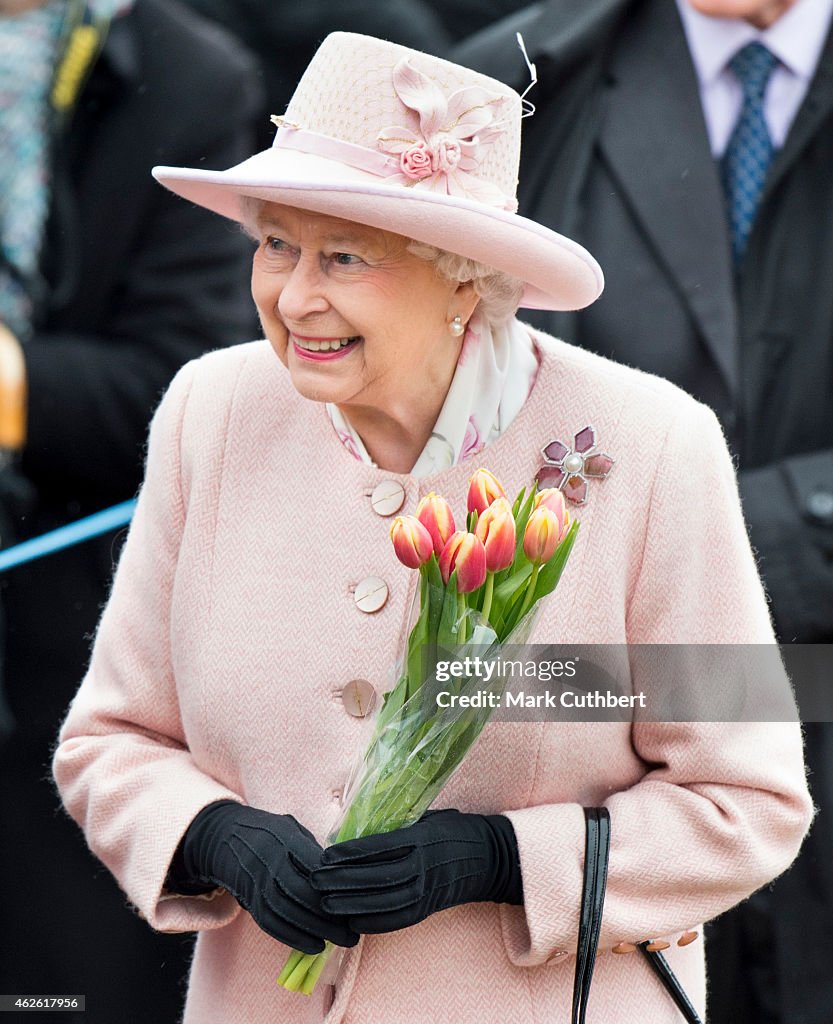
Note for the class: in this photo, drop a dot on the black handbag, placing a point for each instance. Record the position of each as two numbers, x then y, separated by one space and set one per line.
596 854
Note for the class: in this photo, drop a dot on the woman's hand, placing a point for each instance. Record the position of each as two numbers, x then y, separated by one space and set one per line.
385 882
264 860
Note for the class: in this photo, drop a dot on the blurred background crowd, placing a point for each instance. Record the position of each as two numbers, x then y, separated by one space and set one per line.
687 143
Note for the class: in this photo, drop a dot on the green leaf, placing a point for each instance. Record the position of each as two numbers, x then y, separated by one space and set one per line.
550 573
446 633
505 593
510 612
392 703
521 520
506 590
417 647
435 593
432 568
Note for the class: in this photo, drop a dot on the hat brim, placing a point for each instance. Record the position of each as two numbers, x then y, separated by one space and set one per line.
558 273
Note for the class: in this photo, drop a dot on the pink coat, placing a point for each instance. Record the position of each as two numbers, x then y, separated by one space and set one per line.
232 628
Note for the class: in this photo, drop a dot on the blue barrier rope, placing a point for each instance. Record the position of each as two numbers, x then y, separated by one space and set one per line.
66 536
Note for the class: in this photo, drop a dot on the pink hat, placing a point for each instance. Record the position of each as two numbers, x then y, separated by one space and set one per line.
400 140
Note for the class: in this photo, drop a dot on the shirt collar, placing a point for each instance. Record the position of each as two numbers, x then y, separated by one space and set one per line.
796 38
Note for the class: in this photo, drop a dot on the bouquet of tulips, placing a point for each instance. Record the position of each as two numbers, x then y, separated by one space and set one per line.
478 591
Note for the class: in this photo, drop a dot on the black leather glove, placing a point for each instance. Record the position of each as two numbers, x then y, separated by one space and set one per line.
264 860
385 882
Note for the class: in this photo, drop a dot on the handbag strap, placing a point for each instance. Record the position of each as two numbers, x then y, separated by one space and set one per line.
596 853
660 966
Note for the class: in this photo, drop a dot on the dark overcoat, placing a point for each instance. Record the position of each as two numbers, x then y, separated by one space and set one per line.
617 156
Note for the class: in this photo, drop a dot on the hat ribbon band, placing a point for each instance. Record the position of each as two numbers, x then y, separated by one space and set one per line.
315 144
302 140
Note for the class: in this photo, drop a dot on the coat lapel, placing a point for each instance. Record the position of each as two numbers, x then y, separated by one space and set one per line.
654 139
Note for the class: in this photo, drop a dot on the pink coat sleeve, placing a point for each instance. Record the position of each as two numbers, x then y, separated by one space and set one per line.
123 767
723 806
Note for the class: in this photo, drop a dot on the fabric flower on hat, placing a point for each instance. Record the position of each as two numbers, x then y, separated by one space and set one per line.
454 132
416 161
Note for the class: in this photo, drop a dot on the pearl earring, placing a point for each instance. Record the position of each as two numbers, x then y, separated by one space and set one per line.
457 327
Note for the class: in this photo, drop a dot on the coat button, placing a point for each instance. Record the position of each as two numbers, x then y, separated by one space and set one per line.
559 954
358 697
370 594
387 497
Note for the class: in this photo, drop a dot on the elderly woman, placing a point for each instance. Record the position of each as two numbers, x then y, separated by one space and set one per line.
258 602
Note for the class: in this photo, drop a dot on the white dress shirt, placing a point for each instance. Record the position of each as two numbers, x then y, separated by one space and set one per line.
796 39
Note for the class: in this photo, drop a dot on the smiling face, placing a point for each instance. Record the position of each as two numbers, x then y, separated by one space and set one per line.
761 13
356 319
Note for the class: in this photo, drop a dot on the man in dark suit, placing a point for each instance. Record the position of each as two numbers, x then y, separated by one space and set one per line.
628 150
130 283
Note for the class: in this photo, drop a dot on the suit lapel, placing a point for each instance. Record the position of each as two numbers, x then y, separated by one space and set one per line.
667 175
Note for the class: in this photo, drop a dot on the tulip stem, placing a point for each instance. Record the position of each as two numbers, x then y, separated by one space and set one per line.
315 969
530 590
295 957
487 595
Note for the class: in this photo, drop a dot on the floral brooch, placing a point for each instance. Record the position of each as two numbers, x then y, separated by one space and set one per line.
570 469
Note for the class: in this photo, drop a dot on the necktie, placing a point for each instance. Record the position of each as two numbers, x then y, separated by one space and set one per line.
745 163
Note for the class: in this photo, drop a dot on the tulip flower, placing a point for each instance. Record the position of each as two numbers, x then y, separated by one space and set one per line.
483 490
496 528
541 535
541 538
465 554
416 744
436 516
411 541
553 499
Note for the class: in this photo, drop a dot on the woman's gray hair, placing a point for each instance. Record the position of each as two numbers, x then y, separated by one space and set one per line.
500 293
250 209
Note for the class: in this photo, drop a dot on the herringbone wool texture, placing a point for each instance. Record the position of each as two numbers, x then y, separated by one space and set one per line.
232 628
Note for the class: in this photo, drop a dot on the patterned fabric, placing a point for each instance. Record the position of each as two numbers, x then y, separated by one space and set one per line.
746 160
28 43
495 373
232 629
